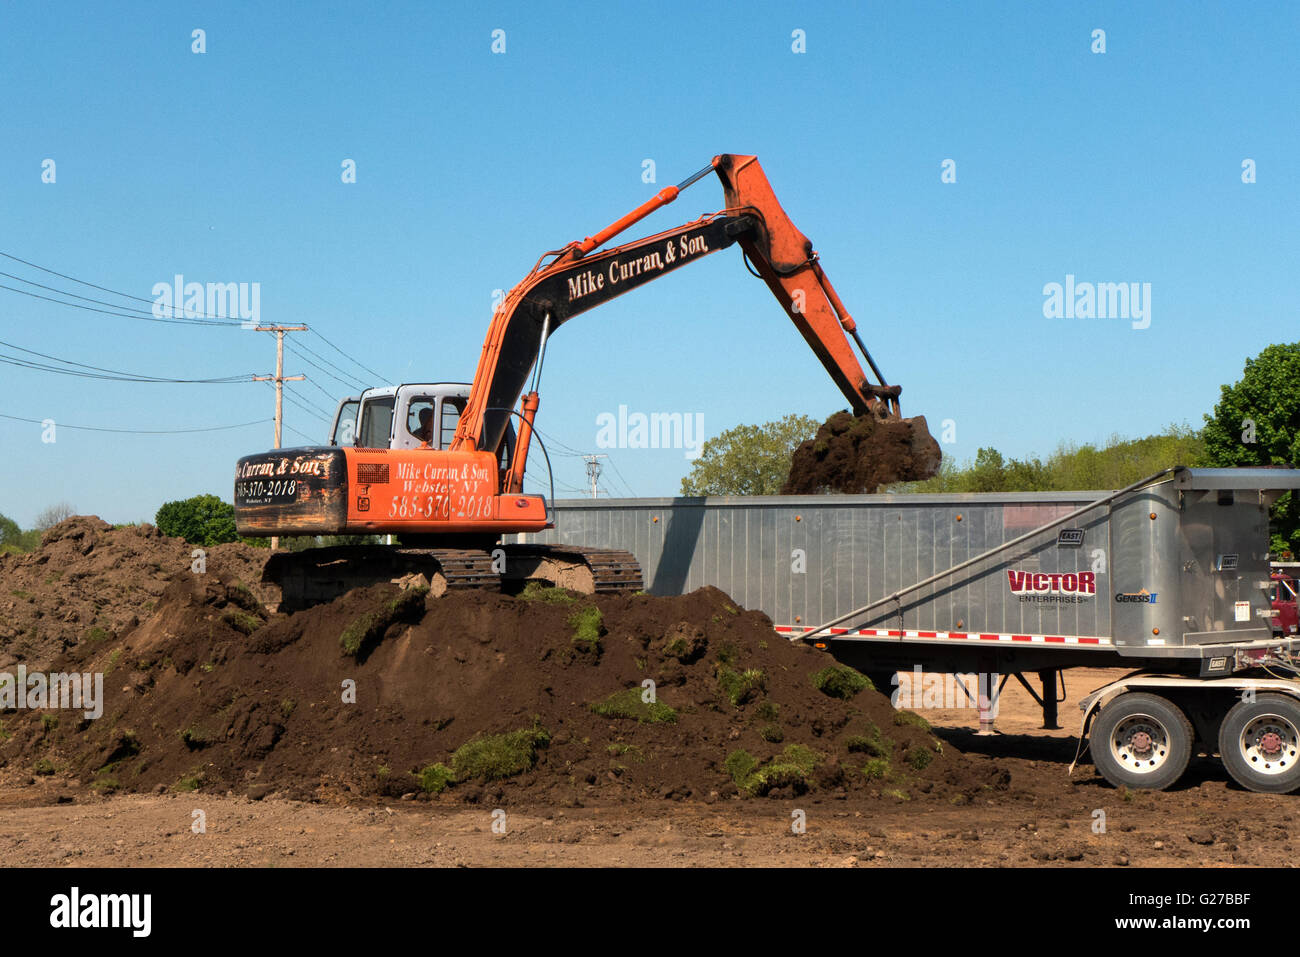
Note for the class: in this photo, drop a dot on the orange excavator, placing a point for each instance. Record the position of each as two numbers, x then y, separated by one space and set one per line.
449 502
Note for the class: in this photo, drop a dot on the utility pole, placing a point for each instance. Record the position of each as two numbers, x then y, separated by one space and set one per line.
593 471
279 379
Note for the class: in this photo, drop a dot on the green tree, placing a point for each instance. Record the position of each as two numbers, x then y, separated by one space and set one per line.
201 520
14 539
1118 463
11 535
989 473
749 459
1257 422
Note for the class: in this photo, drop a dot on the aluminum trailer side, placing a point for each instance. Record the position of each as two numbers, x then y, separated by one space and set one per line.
1169 577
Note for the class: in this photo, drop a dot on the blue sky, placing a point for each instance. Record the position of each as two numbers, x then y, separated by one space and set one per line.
225 167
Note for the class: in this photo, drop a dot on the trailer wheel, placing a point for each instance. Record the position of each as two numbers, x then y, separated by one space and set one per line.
1259 742
1141 741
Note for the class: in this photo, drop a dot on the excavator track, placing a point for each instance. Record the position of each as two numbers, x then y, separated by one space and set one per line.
586 570
320 575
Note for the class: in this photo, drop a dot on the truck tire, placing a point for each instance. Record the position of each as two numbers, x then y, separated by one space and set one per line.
1141 740
1259 742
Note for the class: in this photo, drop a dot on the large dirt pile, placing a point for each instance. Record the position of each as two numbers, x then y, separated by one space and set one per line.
477 696
89 580
863 453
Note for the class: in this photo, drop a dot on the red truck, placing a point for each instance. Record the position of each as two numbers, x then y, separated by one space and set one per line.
1282 596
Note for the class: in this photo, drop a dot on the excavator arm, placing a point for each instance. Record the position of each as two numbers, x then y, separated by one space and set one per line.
572 280
785 259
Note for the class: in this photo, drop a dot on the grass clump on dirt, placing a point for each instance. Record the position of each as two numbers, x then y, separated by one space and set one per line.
497 756
588 625
910 719
741 686
536 590
371 626
873 742
686 643
190 782
876 768
241 621
740 765
43 767
196 737
436 778
919 758
243 596
841 681
791 768
629 703
772 733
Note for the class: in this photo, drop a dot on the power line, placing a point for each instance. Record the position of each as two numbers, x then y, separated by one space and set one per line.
564 449
292 398
143 314
366 369
124 295
303 434
122 315
351 386
306 401
323 391
630 493
40 367
114 374
91 428
200 319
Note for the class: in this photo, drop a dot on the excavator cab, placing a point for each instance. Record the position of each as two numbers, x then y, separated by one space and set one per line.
406 417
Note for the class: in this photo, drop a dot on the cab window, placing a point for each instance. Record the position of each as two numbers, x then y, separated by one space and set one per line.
345 424
451 410
376 423
419 418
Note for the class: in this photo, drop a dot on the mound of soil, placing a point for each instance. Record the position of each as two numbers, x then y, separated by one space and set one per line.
477 697
857 454
91 580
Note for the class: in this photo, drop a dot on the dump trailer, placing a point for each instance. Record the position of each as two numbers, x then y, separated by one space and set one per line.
1168 577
